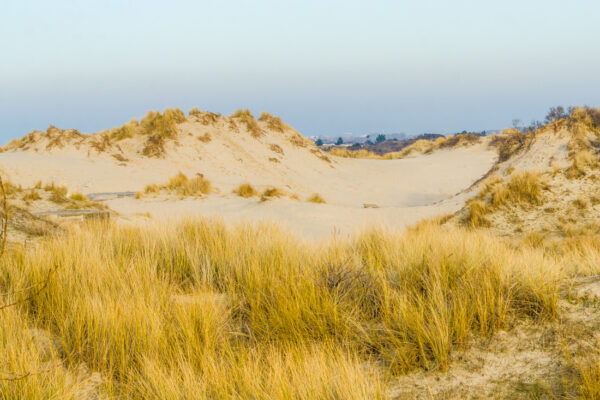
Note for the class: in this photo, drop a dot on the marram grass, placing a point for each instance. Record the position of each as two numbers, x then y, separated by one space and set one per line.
198 310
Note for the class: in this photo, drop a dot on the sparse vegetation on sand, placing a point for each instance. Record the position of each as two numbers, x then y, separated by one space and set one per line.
198 308
246 117
58 194
78 197
273 123
246 190
181 185
316 198
269 193
205 117
32 195
205 138
523 189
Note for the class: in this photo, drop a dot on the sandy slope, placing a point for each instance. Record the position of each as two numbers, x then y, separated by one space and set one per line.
405 190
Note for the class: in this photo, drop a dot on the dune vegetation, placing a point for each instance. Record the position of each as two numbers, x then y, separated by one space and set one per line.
246 190
181 185
198 310
422 146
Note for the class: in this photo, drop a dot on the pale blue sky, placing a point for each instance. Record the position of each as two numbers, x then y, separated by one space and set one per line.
326 67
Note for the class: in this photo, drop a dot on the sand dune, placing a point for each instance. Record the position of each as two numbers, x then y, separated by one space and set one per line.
404 191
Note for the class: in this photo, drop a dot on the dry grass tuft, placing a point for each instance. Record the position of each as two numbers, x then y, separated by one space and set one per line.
524 190
58 194
33 195
154 146
476 214
183 186
510 142
78 197
316 198
581 203
246 190
300 141
165 125
205 138
276 148
246 117
128 130
273 123
270 193
205 117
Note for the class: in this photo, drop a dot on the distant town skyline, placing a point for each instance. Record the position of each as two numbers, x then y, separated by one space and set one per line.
326 67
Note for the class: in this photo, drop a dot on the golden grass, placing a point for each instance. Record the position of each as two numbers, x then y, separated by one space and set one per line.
246 190
581 203
588 376
32 195
182 186
205 117
165 125
246 117
273 123
510 142
523 189
205 138
477 211
276 148
128 130
58 194
581 161
78 197
270 193
316 198
198 310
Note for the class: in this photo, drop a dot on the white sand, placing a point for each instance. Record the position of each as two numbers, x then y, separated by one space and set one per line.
405 190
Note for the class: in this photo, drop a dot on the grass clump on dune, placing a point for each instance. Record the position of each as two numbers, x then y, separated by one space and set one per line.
510 142
58 194
78 197
205 117
246 190
165 125
316 198
32 195
248 312
270 193
128 130
524 190
181 185
246 117
273 123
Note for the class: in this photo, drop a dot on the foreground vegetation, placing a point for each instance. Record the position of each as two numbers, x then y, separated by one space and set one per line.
197 310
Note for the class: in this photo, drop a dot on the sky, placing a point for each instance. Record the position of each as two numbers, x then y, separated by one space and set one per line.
328 67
